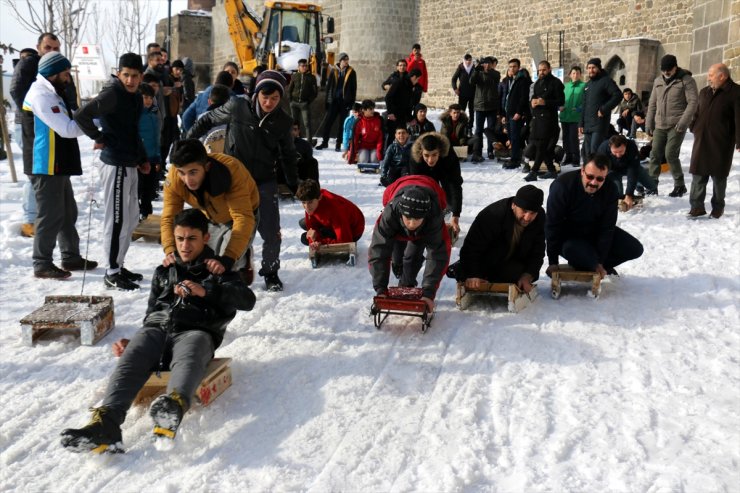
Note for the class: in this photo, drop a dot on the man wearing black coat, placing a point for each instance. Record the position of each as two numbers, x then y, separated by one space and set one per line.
24 74
548 95
600 96
516 110
341 91
186 318
581 221
485 78
624 160
506 242
463 88
259 135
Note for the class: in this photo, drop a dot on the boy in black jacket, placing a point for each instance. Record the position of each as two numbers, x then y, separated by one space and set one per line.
189 309
118 107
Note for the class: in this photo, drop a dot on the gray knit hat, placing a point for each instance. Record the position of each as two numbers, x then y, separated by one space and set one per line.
53 63
415 203
270 79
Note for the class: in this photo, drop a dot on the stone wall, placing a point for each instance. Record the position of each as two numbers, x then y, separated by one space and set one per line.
716 33
449 30
191 37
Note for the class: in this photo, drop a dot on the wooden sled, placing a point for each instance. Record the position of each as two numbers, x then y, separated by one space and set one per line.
516 300
90 317
568 274
348 250
401 301
461 151
215 141
215 382
149 229
284 192
453 236
638 203
368 168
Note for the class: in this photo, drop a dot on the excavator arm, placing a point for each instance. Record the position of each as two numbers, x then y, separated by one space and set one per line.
244 24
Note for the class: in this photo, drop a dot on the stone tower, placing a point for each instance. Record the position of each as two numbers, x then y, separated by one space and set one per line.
375 35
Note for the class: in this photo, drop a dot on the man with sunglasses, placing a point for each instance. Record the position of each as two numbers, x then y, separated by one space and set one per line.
581 221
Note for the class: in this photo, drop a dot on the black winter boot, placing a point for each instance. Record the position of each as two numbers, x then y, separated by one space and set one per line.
101 434
166 412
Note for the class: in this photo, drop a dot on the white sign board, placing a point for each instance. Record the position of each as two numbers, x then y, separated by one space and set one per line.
90 63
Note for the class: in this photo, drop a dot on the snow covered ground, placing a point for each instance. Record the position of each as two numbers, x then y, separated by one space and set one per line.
636 391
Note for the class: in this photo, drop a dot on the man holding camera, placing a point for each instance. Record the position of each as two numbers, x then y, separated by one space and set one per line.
485 78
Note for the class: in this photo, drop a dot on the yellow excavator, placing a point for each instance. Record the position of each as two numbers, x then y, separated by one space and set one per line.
287 32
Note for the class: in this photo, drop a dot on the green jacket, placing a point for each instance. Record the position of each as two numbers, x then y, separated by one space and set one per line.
573 107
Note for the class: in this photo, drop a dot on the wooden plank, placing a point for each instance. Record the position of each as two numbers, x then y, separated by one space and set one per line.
568 274
217 379
461 151
149 229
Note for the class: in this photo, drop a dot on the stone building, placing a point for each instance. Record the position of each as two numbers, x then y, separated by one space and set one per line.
629 36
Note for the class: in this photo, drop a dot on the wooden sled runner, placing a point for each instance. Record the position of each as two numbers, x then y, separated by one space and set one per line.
638 204
91 317
215 382
148 229
568 274
368 168
516 300
401 301
336 250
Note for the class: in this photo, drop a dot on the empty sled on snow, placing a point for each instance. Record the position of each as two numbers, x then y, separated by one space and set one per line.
335 250
149 229
406 302
566 273
368 168
90 317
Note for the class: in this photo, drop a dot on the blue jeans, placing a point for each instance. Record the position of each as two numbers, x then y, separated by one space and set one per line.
515 137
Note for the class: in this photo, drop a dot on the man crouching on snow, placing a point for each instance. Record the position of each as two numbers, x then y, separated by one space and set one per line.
189 309
413 214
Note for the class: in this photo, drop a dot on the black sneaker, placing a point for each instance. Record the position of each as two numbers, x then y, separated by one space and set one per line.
512 165
397 270
131 276
550 175
119 281
526 168
79 264
476 158
51 272
323 145
273 282
100 435
678 191
532 176
166 412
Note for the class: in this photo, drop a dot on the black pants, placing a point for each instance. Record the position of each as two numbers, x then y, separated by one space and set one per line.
55 222
169 134
470 103
147 188
544 151
337 109
571 144
582 254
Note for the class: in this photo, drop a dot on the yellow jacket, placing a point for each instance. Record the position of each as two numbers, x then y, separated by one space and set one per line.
229 193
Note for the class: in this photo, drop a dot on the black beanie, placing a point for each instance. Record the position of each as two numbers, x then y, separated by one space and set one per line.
595 61
668 62
415 203
529 198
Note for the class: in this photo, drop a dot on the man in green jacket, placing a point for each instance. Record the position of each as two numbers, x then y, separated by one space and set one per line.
570 116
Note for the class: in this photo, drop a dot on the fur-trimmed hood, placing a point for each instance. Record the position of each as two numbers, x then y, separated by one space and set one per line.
446 119
416 149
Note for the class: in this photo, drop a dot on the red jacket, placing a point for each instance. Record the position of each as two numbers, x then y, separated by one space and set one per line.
340 215
412 63
368 134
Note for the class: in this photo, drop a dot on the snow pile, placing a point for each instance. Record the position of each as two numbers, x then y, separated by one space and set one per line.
635 391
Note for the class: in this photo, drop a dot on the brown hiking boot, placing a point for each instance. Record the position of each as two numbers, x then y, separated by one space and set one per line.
51 272
696 212
27 230
717 213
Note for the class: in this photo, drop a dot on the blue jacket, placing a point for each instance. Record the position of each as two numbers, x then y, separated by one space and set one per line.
149 131
396 156
349 125
196 109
